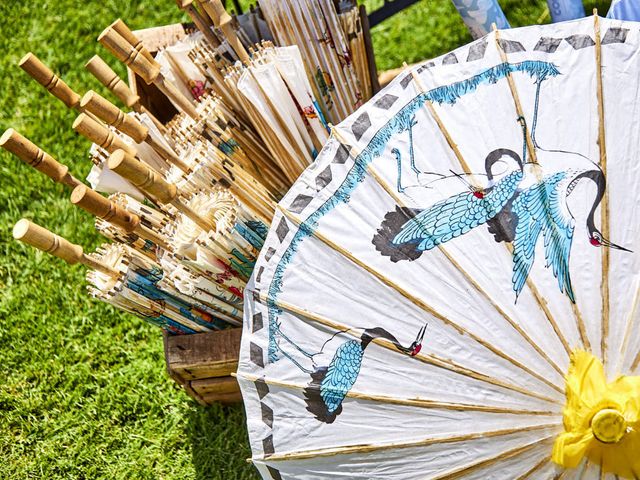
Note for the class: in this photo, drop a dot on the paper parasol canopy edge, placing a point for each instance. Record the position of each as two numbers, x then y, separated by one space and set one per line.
456 260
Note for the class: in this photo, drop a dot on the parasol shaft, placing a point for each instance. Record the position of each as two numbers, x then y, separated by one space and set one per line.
37 158
221 19
110 79
42 239
128 125
125 32
94 203
54 84
153 185
199 21
100 135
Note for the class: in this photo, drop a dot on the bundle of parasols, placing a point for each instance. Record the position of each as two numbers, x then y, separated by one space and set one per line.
186 205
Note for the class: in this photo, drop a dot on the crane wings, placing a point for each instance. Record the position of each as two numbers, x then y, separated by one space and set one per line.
456 215
539 209
342 374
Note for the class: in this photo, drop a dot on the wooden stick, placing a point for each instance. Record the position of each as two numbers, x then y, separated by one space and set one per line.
369 448
419 302
221 19
149 70
604 206
629 328
34 156
101 135
172 92
200 23
152 184
110 79
128 125
112 115
45 77
501 456
126 33
538 466
42 239
94 203
516 97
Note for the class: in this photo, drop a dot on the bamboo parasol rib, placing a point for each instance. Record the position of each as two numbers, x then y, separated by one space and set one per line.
349 449
604 288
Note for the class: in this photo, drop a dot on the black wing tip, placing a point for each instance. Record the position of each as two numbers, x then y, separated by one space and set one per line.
389 228
314 401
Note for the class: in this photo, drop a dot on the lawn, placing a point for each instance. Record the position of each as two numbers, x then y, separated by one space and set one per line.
83 390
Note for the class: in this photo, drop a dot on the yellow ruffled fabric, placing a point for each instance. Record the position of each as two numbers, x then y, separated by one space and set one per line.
587 394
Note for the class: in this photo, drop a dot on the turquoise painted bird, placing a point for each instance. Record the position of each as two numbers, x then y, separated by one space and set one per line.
330 384
516 209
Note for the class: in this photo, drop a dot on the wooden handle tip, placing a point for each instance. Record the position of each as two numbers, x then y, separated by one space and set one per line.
86 98
116 159
8 135
21 228
82 118
92 60
78 193
27 58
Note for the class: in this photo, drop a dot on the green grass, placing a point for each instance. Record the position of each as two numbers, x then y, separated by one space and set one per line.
83 391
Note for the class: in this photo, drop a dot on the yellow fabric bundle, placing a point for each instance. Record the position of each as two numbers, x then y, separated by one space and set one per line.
601 420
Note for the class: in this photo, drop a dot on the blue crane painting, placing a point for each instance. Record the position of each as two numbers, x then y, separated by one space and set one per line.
517 205
513 213
330 384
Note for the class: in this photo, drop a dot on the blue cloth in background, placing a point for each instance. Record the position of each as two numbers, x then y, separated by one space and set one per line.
625 10
478 15
562 10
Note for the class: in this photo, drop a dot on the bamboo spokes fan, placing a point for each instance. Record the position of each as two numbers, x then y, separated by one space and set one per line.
447 290
190 201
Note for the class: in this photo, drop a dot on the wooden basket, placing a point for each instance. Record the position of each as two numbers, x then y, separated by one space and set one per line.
202 364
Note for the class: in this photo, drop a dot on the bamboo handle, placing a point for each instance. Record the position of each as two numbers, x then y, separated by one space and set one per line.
123 51
199 21
222 20
45 77
126 33
112 115
142 176
94 203
110 79
42 239
153 185
34 156
100 135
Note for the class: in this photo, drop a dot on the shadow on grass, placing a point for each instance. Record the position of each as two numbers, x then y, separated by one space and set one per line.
219 443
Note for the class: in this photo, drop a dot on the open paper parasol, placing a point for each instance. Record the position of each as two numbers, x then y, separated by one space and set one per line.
447 290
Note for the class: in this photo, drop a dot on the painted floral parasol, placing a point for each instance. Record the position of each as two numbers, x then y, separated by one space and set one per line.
451 289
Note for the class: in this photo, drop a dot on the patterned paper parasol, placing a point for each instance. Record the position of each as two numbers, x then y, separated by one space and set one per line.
447 291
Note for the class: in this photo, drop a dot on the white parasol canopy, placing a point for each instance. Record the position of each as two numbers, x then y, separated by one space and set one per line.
427 280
